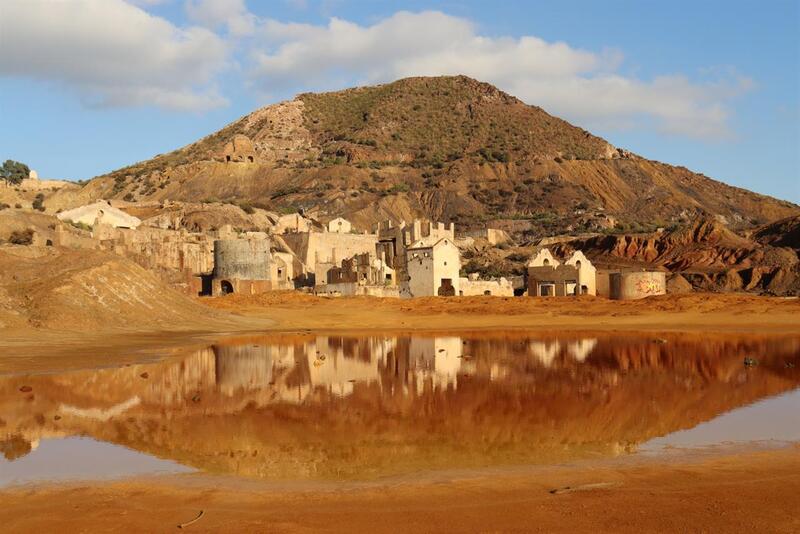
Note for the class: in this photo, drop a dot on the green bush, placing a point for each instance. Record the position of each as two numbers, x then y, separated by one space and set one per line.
38 202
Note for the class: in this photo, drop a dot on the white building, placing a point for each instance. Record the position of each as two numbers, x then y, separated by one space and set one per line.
433 268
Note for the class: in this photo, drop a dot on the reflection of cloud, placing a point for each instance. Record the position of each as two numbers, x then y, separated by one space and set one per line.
545 351
101 414
581 349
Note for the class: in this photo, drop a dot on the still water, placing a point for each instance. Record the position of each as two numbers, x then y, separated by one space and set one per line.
302 407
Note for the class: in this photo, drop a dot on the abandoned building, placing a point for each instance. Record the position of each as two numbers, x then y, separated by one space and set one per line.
100 212
472 285
239 149
241 266
548 277
340 225
363 274
433 268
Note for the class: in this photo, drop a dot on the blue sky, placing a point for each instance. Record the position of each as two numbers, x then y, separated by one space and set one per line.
88 86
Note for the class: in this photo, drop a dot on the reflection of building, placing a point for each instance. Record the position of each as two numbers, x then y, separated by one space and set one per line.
435 359
547 277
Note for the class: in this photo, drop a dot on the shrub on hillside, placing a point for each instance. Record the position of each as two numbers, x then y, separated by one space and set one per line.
21 237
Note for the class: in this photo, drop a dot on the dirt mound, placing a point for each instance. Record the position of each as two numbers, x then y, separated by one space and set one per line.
82 290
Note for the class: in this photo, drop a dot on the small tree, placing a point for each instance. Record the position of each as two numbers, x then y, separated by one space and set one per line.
14 172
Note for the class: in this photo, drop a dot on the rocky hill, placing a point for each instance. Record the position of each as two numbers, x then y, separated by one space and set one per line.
447 148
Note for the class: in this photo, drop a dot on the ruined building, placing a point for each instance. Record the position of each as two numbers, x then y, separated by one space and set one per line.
241 266
433 268
548 277
239 149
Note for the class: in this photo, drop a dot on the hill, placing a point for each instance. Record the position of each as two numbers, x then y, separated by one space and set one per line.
447 148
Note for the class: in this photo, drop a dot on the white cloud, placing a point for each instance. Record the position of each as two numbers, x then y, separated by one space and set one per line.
112 52
213 14
580 85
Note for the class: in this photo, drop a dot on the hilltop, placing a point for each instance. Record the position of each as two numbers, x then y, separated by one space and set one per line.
446 148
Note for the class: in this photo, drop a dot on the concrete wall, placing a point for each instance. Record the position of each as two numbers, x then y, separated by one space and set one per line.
242 259
428 266
603 280
497 288
354 289
637 285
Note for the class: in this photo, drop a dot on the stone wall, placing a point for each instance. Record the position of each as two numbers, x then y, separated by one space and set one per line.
497 288
354 289
242 259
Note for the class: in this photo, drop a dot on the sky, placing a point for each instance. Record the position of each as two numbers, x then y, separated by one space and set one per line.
88 86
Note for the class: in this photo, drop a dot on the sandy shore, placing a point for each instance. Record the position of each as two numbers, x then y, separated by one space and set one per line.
724 313
40 350
752 492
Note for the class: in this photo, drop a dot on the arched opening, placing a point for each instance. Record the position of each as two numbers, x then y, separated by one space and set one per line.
584 290
578 265
226 287
446 289
487 292
546 262
250 159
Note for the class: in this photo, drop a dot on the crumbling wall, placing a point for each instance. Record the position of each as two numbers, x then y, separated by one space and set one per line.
497 288
242 259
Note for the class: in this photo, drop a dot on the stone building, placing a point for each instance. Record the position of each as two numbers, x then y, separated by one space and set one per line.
363 274
394 240
433 268
340 225
239 149
320 251
241 266
548 277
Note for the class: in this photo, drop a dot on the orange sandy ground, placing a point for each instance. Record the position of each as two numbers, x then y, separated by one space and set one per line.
754 492
693 312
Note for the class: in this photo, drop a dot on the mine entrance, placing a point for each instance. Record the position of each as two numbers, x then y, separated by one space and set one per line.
226 287
447 289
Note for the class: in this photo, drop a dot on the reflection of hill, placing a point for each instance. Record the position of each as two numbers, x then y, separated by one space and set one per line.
308 407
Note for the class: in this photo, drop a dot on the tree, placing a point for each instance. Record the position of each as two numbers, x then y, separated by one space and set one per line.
14 172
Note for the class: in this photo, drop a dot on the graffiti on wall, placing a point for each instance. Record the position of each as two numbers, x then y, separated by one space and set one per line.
649 286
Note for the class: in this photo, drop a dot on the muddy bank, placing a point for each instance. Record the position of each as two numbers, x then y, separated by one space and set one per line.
754 492
704 312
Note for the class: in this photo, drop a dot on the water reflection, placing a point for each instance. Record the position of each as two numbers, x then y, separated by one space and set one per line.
361 406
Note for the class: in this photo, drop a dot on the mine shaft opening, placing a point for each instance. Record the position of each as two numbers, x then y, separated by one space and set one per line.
226 287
